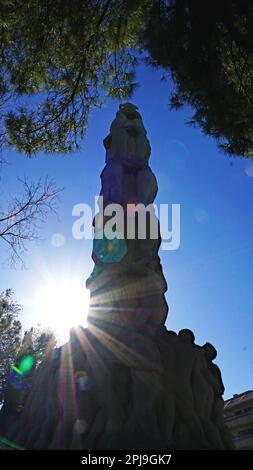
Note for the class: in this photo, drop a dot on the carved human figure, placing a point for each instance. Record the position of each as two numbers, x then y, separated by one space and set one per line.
127 153
146 394
179 360
108 398
186 364
167 407
127 140
204 397
215 379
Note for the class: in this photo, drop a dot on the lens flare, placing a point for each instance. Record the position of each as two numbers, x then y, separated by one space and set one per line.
249 170
110 251
201 216
58 240
26 364
9 444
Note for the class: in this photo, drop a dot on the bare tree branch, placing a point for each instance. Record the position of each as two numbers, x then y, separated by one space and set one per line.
22 220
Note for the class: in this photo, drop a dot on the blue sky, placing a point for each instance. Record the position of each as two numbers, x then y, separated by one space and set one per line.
209 276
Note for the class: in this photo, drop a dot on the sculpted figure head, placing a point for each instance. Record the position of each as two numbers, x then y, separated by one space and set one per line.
130 110
186 336
210 351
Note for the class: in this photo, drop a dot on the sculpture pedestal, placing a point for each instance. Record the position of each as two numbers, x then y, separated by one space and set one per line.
123 390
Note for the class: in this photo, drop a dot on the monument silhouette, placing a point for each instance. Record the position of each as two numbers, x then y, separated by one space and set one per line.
125 381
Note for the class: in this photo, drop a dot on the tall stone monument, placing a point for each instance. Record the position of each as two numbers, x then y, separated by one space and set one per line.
125 381
127 284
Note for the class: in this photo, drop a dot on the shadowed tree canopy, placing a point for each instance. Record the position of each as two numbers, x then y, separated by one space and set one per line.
36 342
10 336
60 59
208 48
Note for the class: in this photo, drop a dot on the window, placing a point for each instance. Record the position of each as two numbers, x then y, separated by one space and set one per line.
248 409
245 433
243 411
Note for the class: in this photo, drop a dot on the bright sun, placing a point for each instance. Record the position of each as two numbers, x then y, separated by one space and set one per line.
60 305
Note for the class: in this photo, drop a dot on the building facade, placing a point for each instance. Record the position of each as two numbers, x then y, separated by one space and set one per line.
239 419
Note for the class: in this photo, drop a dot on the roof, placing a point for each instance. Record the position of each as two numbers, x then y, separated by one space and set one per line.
239 399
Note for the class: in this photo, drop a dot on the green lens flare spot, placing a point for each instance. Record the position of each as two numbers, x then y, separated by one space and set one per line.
26 364
9 444
13 367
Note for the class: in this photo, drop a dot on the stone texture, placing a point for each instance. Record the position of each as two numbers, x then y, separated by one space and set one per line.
129 390
125 382
127 283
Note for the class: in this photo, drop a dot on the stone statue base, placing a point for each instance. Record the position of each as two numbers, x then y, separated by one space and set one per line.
121 388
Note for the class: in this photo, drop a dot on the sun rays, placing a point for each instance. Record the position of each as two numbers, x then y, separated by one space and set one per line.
61 304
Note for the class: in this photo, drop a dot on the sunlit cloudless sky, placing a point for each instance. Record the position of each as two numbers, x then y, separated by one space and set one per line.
210 275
